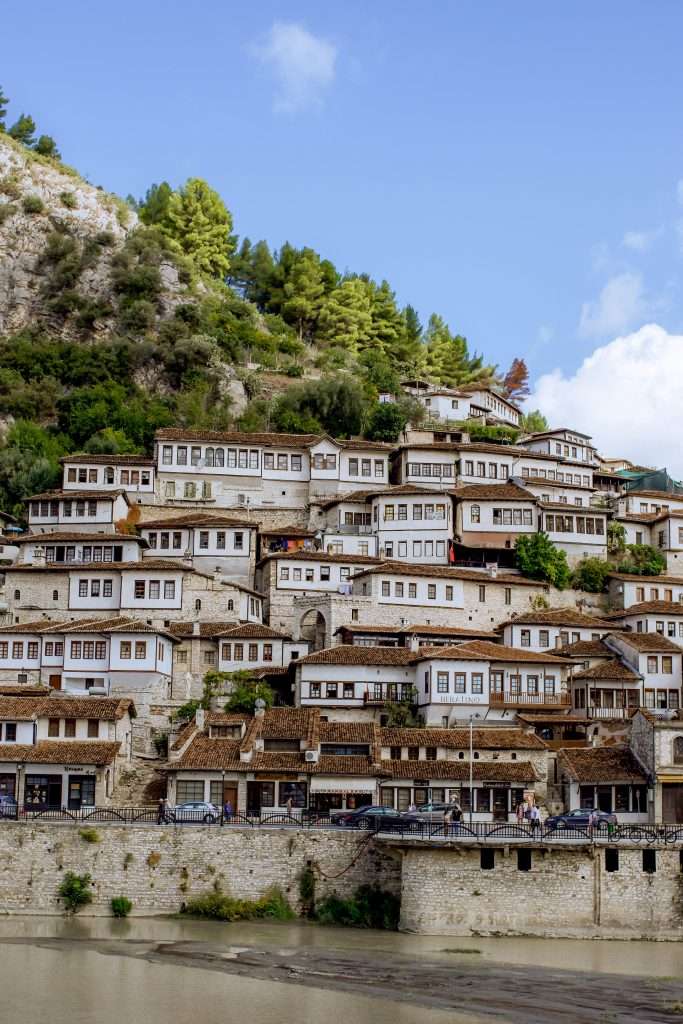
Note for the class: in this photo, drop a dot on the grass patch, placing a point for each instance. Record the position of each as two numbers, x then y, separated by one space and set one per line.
121 906
69 200
90 835
369 907
217 906
33 204
75 891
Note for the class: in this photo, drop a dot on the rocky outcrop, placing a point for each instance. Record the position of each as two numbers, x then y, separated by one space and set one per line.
38 198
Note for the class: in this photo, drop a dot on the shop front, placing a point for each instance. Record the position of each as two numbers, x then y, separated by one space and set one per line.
347 794
269 793
488 803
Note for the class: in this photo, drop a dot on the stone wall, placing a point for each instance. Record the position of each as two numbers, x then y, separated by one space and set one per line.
160 867
566 892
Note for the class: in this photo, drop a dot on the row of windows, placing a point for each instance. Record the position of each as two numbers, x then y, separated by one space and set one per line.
563 637
235 652
561 478
233 457
654 662
347 691
89 553
128 476
51 508
53 728
164 541
670 630
191 489
505 516
18 649
152 589
584 524
429 547
492 470
308 574
400 590
95 588
654 594
365 466
88 649
432 469
400 512
532 683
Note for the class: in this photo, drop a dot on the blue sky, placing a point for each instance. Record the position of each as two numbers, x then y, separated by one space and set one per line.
514 167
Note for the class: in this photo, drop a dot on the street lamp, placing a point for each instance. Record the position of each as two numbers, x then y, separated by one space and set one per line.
472 717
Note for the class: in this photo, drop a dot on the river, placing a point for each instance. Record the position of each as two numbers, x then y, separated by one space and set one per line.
152 970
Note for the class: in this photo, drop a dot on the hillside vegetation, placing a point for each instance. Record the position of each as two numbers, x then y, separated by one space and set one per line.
121 316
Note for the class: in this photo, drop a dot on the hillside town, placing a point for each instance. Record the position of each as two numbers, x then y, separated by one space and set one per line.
374 591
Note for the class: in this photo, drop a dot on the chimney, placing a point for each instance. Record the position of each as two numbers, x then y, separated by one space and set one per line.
196 629
492 569
200 718
260 708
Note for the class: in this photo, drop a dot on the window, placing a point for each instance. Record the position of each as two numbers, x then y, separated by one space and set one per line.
667 664
379 468
53 727
652 664
169 589
140 650
508 595
412 590
82 588
449 593
366 466
649 861
460 682
106 588
543 638
525 638
388 513
70 728
238 652
477 682
353 467
431 591
32 650
284 572
11 732
442 682
398 590
125 650
482 593
189 789
76 649
386 589
331 691
324 573
296 463
475 514
417 549
139 590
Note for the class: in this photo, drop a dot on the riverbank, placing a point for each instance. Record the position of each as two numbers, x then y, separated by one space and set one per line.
520 981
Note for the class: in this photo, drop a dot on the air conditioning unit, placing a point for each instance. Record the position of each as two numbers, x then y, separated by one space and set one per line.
241 499
311 756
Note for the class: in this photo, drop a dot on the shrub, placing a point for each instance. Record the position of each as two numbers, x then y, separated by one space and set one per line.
32 204
69 200
121 906
642 560
538 559
6 211
9 186
219 907
90 835
370 907
75 891
590 575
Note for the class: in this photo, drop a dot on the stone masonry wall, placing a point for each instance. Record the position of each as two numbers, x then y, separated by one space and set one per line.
567 892
160 867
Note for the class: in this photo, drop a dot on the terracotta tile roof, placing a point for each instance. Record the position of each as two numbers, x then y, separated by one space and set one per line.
645 580
601 764
149 565
253 631
183 735
109 460
656 607
459 771
286 531
446 572
492 492
662 495
226 718
352 654
585 649
354 627
70 752
205 752
654 642
238 437
359 444
318 556
459 739
348 732
23 690
207 630
637 517
35 627
353 765
559 617
197 518
484 650
66 535
78 495
356 497
115 624
613 669
428 630
290 723
108 709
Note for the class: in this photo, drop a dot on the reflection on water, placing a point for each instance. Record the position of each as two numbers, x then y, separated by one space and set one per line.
653 959
74 986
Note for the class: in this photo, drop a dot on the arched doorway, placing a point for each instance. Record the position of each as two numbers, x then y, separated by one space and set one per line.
313 628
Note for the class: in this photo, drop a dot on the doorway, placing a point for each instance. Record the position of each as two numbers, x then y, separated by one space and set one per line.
500 804
55 682
81 791
672 802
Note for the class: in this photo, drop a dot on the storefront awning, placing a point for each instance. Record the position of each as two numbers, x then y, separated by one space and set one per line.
342 785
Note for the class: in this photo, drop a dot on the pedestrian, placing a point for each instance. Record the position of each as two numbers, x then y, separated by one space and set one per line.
412 806
447 819
535 818
457 811
593 822
521 808
161 811
227 810
289 805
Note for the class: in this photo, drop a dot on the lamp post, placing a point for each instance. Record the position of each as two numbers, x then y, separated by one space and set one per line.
472 717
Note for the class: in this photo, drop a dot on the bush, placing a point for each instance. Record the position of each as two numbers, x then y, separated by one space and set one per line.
89 835
386 422
537 558
217 906
33 204
6 211
75 891
590 575
370 907
69 200
121 906
642 560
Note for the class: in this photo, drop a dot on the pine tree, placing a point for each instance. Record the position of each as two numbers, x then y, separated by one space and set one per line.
346 318
388 327
448 357
516 381
47 146
199 224
154 207
3 111
23 130
304 292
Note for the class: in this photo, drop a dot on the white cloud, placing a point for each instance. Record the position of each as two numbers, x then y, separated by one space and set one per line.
627 395
640 241
302 64
620 305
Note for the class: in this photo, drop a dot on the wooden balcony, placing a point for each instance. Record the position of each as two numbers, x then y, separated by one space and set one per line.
529 700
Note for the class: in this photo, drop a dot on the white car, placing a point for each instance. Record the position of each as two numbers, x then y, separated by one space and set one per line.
197 811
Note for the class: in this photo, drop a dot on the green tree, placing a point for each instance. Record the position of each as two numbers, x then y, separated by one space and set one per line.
534 422
387 332
110 442
3 109
346 316
303 293
198 223
154 207
591 574
47 146
448 358
246 690
616 538
333 404
385 423
537 558
379 371
643 560
23 130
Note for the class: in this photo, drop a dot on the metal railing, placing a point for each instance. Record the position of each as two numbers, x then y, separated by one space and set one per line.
516 699
479 832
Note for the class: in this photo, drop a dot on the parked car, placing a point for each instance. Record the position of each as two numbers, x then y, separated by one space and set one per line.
375 817
432 813
195 811
580 818
8 806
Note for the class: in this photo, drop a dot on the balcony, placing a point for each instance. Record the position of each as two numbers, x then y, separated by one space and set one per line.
529 700
381 695
610 713
357 530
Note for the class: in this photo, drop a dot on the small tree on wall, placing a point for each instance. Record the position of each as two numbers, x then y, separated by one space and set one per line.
537 558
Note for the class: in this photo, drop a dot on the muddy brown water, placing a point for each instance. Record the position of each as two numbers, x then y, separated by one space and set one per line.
153 970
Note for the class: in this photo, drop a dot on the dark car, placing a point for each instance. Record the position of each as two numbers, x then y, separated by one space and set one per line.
375 816
580 818
8 806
